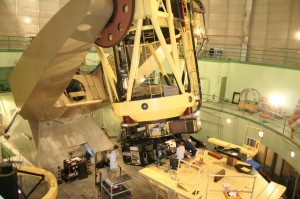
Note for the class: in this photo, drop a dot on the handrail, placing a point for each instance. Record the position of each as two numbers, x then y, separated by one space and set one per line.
250 47
281 57
48 176
275 122
10 43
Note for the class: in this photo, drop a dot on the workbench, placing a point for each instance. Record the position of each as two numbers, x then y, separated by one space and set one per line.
248 186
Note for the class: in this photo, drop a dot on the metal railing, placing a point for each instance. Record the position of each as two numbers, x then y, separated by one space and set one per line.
6 152
278 57
13 43
263 117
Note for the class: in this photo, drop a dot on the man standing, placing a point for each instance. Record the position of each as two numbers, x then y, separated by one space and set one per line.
180 151
114 167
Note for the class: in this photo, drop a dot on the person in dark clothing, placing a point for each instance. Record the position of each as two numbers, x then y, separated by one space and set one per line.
190 147
199 144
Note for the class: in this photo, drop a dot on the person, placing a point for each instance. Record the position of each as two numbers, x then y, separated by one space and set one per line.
114 167
180 150
190 147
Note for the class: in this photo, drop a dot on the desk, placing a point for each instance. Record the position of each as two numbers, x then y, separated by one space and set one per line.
117 187
162 180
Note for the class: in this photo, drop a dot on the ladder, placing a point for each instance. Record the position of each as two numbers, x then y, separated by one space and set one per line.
92 86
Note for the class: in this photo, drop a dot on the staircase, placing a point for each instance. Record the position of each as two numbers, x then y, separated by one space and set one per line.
189 51
190 64
92 87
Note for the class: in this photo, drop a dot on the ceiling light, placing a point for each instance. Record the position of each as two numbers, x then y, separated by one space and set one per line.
84 27
261 134
27 20
276 100
228 120
293 154
298 35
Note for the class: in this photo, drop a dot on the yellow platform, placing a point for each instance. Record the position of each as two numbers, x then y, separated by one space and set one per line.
164 182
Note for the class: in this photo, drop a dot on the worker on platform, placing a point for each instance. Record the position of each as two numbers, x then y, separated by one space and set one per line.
190 148
113 160
180 150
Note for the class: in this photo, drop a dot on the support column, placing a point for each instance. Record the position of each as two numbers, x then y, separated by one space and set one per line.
246 30
295 187
264 159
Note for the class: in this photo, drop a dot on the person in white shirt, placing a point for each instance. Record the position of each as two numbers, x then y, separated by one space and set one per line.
180 150
114 167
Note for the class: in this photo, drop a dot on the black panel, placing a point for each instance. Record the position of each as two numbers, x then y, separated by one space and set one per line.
82 171
8 181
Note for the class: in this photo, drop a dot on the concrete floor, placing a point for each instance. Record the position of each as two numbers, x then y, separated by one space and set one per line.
85 188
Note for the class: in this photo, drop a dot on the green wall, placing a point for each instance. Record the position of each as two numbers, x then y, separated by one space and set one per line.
213 124
9 59
267 80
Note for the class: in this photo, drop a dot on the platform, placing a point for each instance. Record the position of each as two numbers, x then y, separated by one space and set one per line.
164 182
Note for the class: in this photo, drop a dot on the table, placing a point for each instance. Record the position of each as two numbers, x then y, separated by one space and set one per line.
117 187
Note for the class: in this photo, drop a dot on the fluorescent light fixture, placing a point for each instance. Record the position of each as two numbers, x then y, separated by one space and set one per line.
228 120
293 154
261 134
27 20
26 136
276 100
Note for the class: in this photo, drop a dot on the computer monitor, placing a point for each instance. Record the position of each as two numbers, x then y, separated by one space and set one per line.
251 142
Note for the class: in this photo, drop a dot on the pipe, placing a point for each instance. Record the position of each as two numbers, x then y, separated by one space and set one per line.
161 68
12 120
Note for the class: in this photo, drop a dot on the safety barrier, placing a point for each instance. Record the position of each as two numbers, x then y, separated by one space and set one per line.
14 43
275 122
276 57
